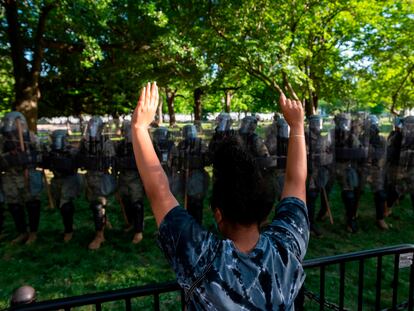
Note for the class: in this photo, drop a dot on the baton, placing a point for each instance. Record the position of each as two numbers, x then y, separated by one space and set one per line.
328 208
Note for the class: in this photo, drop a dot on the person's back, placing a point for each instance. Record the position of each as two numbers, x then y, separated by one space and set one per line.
248 269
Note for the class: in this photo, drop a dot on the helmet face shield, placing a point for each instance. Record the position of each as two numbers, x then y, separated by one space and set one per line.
189 132
398 122
9 125
95 127
315 124
248 125
343 122
282 128
223 122
160 134
59 140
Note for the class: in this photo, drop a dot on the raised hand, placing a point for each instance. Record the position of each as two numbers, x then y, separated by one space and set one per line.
292 111
147 105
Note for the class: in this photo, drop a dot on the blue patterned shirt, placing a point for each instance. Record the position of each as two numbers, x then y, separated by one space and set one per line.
215 275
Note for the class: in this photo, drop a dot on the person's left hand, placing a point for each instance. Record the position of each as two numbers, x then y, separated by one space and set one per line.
147 105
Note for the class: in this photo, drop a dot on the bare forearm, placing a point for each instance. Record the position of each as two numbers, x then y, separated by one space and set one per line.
153 176
296 167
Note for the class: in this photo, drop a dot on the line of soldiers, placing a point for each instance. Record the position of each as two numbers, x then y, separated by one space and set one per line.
353 153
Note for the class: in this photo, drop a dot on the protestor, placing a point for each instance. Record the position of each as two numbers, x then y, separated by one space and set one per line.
376 170
320 160
249 269
66 183
258 150
405 177
394 141
349 152
130 188
96 156
191 180
22 183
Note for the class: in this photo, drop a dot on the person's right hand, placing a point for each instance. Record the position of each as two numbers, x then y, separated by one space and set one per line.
292 111
147 105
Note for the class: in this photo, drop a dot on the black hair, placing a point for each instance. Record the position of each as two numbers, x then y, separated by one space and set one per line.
239 189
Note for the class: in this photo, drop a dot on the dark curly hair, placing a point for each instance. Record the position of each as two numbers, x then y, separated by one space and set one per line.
239 189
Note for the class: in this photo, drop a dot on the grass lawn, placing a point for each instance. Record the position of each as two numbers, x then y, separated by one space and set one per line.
57 270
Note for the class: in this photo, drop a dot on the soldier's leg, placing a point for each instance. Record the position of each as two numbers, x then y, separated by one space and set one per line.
311 197
33 210
19 218
137 213
195 208
67 211
380 197
126 201
99 217
349 200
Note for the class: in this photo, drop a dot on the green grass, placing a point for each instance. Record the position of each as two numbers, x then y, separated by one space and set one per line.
59 270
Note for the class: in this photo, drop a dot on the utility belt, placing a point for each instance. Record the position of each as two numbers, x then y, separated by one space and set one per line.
346 154
266 162
19 159
126 163
95 163
63 164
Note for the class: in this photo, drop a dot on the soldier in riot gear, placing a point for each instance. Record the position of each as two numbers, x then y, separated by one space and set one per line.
394 141
405 176
22 183
189 162
276 141
61 159
376 169
165 148
96 156
222 129
349 153
257 148
130 186
320 159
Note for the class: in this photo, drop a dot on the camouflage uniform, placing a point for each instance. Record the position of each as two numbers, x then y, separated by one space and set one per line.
96 155
376 167
192 180
320 160
130 187
405 183
257 148
350 152
277 136
66 182
394 141
22 183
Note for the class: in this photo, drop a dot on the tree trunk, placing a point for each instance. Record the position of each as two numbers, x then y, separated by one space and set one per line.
170 95
197 104
229 96
28 106
159 111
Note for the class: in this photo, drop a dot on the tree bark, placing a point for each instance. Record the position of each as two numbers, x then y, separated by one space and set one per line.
229 96
197 104
170 95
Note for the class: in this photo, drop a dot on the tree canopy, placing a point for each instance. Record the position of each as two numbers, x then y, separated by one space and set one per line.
72 57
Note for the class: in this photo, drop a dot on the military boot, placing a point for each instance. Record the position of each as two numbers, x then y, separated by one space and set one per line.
33 210
137 220
97 241
349 200
380 201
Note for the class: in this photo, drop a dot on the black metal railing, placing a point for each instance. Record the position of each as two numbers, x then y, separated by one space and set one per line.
322 264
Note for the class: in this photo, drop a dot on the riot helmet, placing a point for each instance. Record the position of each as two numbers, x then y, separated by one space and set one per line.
282 128
126 131
398 123
59 140
343 122
223 122
189 131
9 125
408 130
315 124
95 127
248 125
161 134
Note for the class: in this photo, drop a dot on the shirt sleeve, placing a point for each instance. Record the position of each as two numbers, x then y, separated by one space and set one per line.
290 226
188 246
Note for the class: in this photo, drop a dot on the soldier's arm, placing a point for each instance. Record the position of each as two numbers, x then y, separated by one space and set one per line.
153 176
296 167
